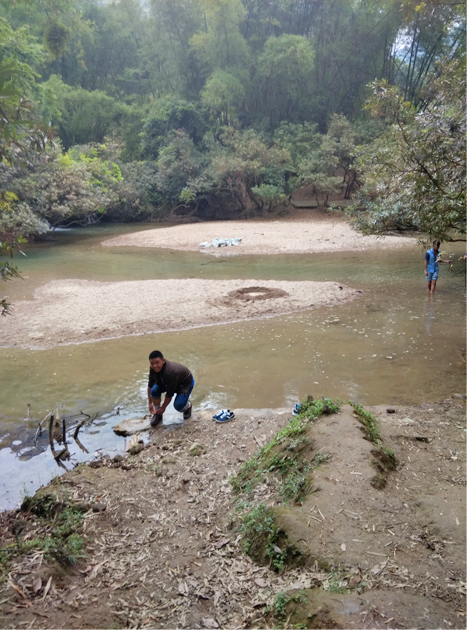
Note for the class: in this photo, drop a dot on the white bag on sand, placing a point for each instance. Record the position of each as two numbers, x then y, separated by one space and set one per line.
221 242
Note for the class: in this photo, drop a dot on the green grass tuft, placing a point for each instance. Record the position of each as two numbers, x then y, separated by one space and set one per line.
264 541
282 455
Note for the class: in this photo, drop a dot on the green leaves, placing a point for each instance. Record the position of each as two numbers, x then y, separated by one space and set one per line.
415 174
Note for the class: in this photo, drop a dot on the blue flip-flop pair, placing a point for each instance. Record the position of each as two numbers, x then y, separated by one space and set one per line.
297 409
225 415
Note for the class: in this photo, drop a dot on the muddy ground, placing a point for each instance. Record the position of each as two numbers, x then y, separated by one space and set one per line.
165 549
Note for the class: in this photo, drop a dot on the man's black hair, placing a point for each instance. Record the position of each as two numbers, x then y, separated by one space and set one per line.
436 242
156 355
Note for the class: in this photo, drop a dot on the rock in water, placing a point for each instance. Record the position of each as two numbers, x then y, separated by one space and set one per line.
132 426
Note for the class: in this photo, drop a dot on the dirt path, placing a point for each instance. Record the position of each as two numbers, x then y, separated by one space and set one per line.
164 547
285 236
73 311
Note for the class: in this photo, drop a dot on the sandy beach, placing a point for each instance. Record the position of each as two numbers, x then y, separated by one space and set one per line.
73 311
261 237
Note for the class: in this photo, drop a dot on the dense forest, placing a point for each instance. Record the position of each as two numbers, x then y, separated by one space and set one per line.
132 110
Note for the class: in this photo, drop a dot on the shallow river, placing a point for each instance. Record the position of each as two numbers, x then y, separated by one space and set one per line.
394 345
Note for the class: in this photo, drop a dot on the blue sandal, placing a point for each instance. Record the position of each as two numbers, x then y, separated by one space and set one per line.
297 409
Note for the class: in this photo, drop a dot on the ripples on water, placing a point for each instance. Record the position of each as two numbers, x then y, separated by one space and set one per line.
394 345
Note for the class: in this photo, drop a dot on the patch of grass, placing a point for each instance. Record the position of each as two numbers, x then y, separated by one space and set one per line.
369 423
384 457
60 521
336 583
279 607
282 454
264 541
378 481
248 476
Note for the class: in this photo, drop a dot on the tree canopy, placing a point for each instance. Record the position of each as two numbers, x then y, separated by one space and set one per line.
415 174
225 107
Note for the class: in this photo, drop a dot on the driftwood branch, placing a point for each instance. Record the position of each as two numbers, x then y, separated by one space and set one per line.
39 428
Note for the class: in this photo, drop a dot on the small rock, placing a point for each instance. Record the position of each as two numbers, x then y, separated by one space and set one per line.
169 459
99 507
389 357
208 622
462 396
117 458
98 463
197 449
136 448
390 410
354 581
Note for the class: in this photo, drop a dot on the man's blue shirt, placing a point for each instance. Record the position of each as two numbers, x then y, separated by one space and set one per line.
431 257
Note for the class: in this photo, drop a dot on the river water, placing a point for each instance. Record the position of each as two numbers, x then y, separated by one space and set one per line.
394 345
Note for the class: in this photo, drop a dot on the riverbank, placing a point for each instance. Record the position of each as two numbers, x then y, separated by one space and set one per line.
73 311
165 546
284 236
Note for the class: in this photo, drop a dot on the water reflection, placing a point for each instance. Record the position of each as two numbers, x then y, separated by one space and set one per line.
429 313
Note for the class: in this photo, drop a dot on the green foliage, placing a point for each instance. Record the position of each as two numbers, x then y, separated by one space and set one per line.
80 116
264 541
220 44
238 78
282 455
167 116
415 175
58 525
369 423
75 187
384 458
223 95
284 71
279 608
336 583
9 243
56 38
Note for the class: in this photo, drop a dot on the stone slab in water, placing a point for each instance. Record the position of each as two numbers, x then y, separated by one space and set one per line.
130 426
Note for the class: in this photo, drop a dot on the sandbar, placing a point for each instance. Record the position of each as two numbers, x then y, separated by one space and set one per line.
74 311
283 236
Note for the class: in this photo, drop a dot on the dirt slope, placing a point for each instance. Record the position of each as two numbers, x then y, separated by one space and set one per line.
164 549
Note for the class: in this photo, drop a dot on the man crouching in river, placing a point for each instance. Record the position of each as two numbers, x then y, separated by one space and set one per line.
171 378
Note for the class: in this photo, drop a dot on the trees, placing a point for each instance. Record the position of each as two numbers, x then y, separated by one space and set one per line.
80 116
240 173
284 70
75 187
223 95
167 115
415 174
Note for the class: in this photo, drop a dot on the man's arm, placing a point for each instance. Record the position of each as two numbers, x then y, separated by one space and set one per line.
425 263
160 409
165 405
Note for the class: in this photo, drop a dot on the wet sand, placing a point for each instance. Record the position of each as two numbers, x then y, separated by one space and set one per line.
73 311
